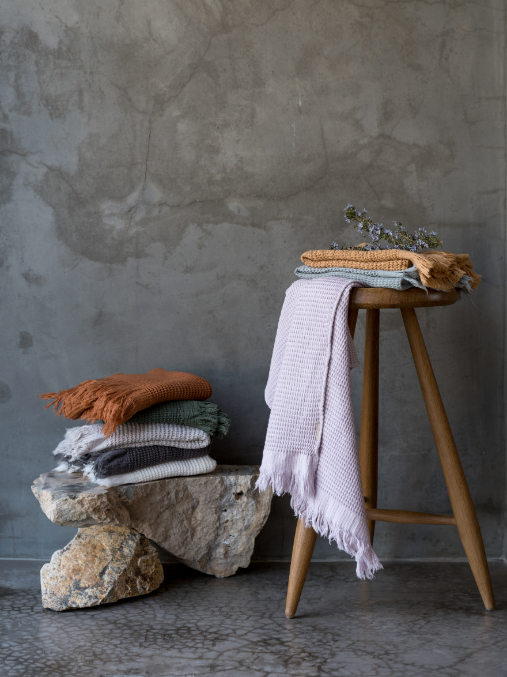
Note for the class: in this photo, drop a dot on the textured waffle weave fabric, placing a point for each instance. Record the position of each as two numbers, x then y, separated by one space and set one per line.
310 449
117 398
390 279
192 466
88 439
203 415
130 459
437 270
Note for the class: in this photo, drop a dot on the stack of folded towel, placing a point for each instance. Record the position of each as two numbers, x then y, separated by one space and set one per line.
152 426
392 268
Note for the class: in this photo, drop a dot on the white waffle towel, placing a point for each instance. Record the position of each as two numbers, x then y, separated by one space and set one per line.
311 449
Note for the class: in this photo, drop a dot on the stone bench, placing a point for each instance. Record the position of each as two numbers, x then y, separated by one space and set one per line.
208 522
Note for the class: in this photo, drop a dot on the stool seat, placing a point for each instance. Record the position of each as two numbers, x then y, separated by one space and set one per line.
368 298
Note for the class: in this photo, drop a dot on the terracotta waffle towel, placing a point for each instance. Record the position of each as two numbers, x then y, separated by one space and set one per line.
438 270
117 398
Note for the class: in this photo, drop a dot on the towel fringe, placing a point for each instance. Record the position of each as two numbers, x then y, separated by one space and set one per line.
76 442
91 401
89 472
367 562
224 423
212 416
284 483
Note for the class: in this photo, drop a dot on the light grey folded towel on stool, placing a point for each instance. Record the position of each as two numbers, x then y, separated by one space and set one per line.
392 279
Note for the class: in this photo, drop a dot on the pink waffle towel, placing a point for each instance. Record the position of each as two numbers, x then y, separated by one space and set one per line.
311 449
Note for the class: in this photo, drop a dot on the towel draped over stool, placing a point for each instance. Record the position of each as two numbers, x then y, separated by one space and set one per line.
310 449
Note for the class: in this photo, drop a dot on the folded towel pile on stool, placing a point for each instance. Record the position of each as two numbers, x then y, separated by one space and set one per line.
310 449
169 437
437 270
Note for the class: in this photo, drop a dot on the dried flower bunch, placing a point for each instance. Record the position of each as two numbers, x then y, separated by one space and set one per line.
398 238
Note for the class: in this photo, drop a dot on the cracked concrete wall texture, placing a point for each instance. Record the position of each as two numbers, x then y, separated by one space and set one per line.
164 165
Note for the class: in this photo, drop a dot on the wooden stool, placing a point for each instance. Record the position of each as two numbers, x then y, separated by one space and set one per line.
464 516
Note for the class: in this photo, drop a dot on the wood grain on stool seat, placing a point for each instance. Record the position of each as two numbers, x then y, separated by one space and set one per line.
368 298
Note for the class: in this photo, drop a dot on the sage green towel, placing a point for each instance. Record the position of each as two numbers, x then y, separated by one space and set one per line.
203 415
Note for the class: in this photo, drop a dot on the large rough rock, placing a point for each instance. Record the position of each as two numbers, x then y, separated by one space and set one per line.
102 564
208 522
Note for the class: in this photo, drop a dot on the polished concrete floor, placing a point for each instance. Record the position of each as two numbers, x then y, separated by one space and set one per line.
413 619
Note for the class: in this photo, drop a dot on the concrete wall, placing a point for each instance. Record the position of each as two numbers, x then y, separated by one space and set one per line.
165 163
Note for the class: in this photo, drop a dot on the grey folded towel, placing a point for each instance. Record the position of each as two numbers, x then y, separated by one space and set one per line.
130 459
393 279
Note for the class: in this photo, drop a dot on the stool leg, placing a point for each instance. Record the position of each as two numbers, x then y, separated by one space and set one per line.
459 494
368 439
304 543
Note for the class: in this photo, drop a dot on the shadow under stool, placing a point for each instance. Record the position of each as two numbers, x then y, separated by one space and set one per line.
464 515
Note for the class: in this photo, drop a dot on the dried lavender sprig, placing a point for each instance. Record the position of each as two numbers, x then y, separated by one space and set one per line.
398 238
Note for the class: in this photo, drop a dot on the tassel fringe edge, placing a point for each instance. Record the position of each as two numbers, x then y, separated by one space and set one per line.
366 560
92 400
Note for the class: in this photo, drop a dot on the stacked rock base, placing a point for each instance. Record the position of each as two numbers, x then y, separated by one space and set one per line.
208 522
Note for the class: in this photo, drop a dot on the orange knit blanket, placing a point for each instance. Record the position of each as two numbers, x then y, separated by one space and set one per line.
438 270
116 398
